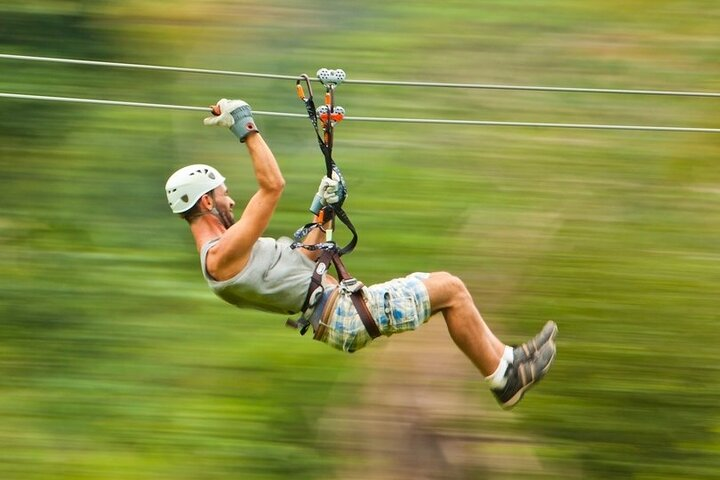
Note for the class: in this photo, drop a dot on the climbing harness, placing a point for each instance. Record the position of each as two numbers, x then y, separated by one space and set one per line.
324 118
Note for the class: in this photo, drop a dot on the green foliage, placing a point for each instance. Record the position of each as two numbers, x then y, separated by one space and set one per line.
116 362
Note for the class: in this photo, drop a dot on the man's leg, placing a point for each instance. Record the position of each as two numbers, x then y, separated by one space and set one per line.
449 295
510 371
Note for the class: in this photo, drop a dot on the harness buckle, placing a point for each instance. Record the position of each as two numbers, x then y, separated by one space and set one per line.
351 285
302 324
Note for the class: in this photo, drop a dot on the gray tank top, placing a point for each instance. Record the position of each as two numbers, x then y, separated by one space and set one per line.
276 278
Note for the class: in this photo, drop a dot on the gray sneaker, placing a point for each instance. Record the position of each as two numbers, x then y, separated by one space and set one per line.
524 352
521 376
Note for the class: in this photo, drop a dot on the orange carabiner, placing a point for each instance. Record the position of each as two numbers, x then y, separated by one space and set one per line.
299 88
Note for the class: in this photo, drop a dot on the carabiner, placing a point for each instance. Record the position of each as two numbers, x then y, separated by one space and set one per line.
299 88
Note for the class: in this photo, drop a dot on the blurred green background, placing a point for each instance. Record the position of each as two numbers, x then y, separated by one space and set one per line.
116 361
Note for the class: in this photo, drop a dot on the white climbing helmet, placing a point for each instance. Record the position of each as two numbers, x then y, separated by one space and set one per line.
185 187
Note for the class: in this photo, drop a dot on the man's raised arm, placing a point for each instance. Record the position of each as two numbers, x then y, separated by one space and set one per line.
232 252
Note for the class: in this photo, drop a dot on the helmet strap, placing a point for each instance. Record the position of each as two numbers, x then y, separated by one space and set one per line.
212 211
225 220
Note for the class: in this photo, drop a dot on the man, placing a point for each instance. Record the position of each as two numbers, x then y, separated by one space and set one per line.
251 271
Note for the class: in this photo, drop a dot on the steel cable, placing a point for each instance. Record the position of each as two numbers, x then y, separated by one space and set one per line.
368 119
362 82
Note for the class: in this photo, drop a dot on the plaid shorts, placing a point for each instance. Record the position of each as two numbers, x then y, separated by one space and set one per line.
399 305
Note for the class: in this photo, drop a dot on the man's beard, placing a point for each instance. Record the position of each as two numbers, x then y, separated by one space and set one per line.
226 218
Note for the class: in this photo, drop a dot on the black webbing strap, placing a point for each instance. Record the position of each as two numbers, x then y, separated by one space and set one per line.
326 149
330 252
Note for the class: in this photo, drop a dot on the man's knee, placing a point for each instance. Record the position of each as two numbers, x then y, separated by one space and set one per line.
450 280
452 285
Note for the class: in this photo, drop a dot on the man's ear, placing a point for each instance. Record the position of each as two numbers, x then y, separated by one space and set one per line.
206 202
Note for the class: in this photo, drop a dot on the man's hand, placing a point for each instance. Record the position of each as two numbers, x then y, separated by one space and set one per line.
234 114
331 191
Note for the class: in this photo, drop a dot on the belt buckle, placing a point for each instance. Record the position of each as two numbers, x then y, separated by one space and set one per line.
351 285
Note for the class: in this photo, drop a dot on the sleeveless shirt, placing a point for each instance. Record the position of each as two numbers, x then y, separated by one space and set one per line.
276 278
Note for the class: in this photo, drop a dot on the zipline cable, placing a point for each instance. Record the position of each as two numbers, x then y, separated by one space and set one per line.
94 101
368 119
363 82
139 66
20 96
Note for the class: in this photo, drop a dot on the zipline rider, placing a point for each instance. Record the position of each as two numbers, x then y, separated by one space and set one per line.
251 271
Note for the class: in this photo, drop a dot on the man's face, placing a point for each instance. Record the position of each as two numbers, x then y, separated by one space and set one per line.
224 205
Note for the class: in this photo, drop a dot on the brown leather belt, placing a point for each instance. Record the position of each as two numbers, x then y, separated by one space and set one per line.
362 310
348 284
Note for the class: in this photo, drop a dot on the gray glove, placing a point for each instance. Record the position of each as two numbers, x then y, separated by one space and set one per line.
332 191
235 114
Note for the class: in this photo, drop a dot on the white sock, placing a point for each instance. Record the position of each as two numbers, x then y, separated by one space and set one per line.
497 378
508 354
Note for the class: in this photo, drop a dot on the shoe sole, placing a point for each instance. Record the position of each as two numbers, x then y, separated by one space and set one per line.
519 395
